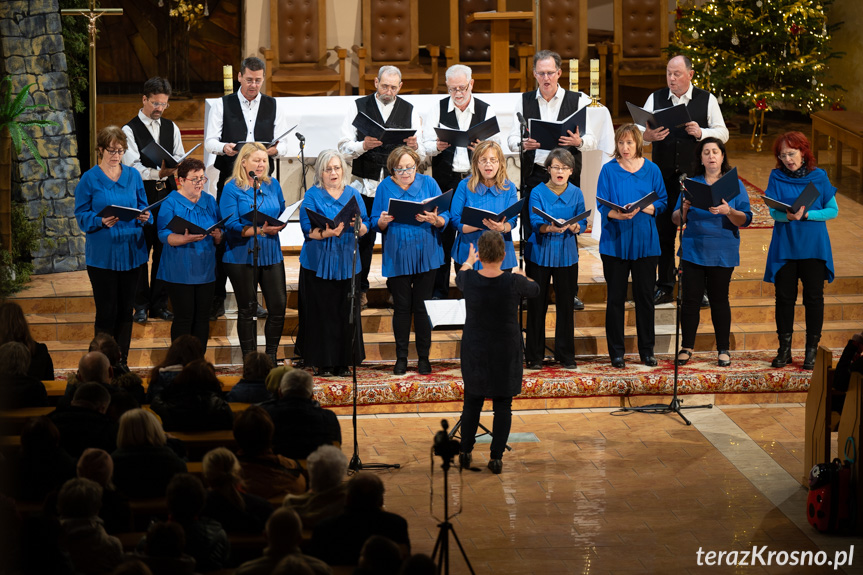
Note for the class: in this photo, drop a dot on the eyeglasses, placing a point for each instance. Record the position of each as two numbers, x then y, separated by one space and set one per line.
788 155
117 152
404 170
253 81
198 181
489 162
560 168
331 169
162 105
545 74
458 89
388 87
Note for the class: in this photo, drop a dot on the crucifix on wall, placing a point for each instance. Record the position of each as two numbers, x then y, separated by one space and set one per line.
92 14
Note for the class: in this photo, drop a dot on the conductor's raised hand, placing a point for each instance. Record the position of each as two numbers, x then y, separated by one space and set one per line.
472 256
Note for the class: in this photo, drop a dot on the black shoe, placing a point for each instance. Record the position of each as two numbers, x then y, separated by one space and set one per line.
684 360
648 360
577 304
569 364
662 296
534 365
811 353
401 366
218 310
464 459
496 466
140 316
424 366
705 302
723 362
342 371
783 355
260 313
323 371
161 314
618 362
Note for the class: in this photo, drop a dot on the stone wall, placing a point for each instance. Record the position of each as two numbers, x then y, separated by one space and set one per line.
31 52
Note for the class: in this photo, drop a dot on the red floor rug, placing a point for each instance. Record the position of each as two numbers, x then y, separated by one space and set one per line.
760 212
749 373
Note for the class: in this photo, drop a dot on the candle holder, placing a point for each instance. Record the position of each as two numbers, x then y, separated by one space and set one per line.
595 103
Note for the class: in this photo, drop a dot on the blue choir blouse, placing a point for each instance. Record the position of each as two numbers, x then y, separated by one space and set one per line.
803 239
554 250
635 238
120 247
236 203
330 258
711 239
408 249
193 263
484 198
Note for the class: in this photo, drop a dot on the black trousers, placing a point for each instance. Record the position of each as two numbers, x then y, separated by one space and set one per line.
448 181
191 310
811 274
219 291
500 426
667 235
114 293
565 289
152 295
367 248
325 332
616 271
409 294
716 280
272 281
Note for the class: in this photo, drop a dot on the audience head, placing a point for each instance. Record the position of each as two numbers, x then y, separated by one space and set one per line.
138 428
184 350
92 396
79 498
94 367
96 465
327 468
106 343
331 171
165 539
14 359
678 74
110 138
121 402
253 431
185 497
14 326
388 83
39 434
380 555
706 148
223 474
490 247
284 531
792 149
297 383
628 142
256 366
293 565
274 378
199 374
365 492
251 77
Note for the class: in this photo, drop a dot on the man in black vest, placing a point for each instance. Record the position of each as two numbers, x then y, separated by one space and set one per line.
369 155
673 152
147 126
450 165
549 102
246 116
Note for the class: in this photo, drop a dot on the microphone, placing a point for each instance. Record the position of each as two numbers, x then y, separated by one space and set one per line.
253 176
521 121
681 179
300 137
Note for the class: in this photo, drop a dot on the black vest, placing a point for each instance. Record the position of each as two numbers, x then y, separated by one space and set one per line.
675 154
568 107
442 163
234 127
143 137
369 164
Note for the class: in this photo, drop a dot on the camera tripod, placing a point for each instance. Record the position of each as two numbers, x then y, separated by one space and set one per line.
447 448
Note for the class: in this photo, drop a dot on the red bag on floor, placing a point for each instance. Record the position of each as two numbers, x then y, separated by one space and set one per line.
828 506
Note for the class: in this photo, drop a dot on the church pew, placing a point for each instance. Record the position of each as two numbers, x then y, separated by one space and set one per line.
57 387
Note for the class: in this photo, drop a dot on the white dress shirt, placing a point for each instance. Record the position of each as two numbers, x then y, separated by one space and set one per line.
352 148
460 160
548 111
715 123
132 157
214 143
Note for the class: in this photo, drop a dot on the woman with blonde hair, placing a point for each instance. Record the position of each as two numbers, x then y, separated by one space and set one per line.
143 462
227 501
238 198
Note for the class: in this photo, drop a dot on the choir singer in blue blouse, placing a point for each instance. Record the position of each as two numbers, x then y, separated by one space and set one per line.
188 264
487 188
552 252
114 249
237 201
327 265
629 242
411 254
800 246
709 252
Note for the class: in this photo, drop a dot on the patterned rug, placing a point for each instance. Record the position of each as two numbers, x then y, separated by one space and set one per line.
749 373
760 212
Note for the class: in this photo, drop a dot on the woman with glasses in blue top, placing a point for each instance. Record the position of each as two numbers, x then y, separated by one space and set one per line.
327 265
487 188
238 199
114 249
188 264
412 253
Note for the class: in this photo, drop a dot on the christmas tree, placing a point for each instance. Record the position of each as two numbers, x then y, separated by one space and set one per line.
759 54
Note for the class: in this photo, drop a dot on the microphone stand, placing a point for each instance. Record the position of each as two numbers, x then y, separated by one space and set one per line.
526 210
354 320
676 404
302 163
256 248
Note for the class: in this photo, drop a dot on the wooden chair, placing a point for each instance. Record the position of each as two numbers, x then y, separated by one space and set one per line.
297 57
640 38
390 38
470 44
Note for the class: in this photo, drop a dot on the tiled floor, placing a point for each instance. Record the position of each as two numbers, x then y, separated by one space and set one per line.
600 493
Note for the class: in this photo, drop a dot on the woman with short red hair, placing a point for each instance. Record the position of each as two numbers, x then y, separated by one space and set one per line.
800 246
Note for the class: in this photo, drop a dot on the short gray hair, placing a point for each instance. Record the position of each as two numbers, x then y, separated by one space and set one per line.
458 70
297 383
545 55
389 70
79 498
14 358
324 160
327 466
